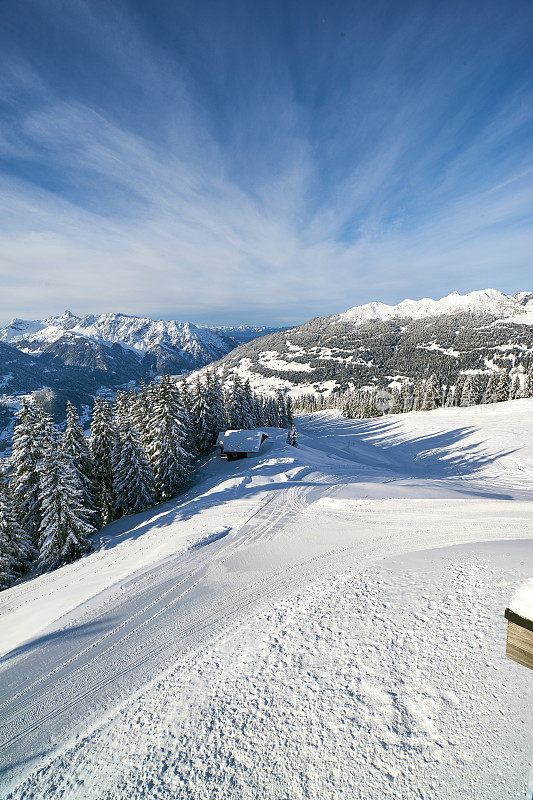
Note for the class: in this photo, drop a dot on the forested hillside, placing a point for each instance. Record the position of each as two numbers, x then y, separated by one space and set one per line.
58 488
355 350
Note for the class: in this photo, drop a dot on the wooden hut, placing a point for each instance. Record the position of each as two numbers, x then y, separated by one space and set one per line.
240 444
519 638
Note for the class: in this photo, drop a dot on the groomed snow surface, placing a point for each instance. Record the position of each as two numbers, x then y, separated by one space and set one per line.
320 622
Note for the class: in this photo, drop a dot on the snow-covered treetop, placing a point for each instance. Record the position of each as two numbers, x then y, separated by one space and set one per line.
485 301
522 602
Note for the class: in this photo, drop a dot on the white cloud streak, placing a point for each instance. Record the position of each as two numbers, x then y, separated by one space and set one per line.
174 226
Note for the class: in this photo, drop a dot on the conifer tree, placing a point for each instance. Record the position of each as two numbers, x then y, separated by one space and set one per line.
502 390
140 416
397 401
469 395
281 409
235 403
133 478
189 441
247 406
408 398
102 445
201 417
450 398
216 405
289 416
64 530
25 478
292 437
490 391
259 412
516 388
74 444
46 434
187 397
167 454
431 397
528 384
16 551
459 384
418 396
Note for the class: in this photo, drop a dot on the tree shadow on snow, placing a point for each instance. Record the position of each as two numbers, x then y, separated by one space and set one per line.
79 632
433 456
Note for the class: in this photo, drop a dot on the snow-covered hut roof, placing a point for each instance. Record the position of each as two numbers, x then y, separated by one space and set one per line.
522 602
241 441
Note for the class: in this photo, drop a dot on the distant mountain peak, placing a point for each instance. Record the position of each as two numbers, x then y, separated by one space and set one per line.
483 301
173 345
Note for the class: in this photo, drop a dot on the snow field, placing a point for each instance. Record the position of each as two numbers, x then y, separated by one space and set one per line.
362 686
301 666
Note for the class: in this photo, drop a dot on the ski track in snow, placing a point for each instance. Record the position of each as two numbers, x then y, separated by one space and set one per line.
303 672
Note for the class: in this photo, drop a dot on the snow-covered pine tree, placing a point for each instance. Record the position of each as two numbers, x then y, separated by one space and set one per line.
133 477
259 412
247 406
16 550
74 444
490 391
186 395
516 388
395 403
469 395
235 403
273 419
25 477
46 433
526 389
281 410
408 398
418 396
190 436
121 409
459 384
201 418
64 530
140 416
503 387
102 445
369 408
215 397
292 437
288 412
167 454
450 397
431 396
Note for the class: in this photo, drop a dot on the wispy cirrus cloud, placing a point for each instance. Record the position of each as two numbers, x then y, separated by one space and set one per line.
283 172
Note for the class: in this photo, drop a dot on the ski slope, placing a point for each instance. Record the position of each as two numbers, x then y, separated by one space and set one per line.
315 622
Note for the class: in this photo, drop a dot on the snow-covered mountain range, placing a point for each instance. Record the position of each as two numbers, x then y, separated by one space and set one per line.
486 301
370 344
73 358
377 343
175 346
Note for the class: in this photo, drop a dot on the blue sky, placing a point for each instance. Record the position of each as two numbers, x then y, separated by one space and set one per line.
261 161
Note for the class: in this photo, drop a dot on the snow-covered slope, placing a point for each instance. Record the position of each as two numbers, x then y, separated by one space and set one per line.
299 663
486 301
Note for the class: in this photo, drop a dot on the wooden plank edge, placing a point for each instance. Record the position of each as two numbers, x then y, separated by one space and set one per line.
518 620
